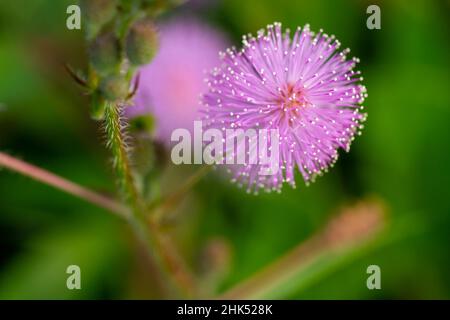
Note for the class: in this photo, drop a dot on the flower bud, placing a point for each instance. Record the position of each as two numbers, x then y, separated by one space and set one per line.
114 88
141 42
97 13
104 53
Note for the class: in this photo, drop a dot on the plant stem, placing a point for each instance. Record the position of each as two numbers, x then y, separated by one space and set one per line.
116 142
168 202
60 183
160 246
166 249
352 228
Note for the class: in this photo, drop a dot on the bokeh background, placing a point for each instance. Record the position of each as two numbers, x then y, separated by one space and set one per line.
402 159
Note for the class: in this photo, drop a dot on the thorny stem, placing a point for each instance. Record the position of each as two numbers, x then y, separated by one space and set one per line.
116 142
161 248
58 182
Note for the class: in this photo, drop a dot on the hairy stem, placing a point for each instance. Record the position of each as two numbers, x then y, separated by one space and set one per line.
60 183
160 247
116 142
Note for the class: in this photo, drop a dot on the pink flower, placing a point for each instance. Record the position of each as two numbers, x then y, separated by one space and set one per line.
302 86
171 84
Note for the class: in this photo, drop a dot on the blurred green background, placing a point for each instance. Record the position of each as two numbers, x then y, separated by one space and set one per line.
402 158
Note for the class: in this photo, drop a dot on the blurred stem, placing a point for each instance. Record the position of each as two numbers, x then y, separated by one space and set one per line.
160 247
168 202
352 228
60 183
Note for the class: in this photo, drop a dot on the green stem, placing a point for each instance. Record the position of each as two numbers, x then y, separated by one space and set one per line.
116 142
355 227
160 247
60 183
166 203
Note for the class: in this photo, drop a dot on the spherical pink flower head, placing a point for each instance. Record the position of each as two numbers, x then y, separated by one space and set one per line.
303 86
171 84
